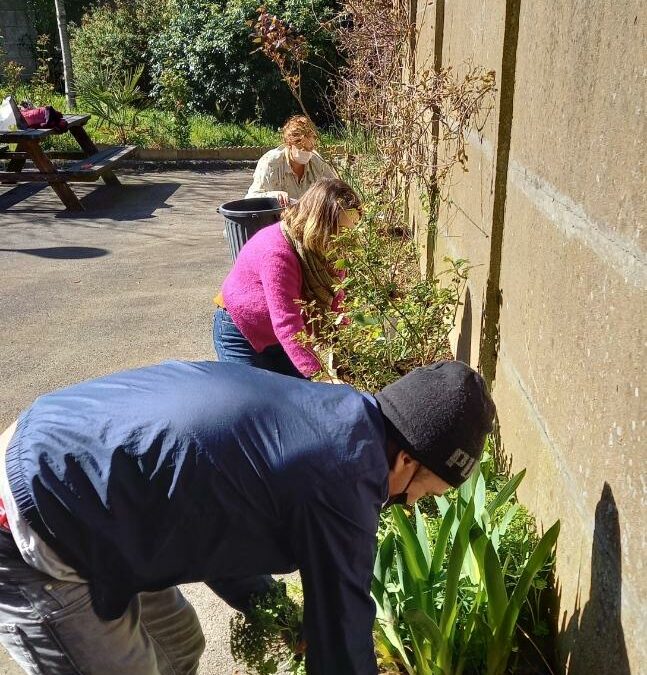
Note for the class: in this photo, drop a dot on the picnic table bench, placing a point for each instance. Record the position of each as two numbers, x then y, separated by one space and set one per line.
92 163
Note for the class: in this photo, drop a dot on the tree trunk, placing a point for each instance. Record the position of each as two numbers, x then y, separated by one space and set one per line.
68 75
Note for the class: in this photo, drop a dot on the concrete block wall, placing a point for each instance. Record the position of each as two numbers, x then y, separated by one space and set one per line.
17 33
552 214
464 228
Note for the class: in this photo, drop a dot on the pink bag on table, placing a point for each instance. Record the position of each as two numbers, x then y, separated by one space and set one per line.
44 117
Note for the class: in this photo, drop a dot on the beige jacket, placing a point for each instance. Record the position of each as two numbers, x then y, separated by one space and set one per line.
273 172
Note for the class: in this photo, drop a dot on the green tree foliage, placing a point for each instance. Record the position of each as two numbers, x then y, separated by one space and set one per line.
209 42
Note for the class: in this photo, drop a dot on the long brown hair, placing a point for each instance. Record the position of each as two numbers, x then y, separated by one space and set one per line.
314 219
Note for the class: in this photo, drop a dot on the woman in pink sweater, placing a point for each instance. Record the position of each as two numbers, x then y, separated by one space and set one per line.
259 314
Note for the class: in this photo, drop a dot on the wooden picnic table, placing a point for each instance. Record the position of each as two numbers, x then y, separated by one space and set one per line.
92 163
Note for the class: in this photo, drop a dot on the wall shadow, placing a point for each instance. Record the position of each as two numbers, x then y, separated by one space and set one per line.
489 351
593 640
464 344
61 252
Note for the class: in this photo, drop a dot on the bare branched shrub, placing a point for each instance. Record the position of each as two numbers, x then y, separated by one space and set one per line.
413 120
418 120
406 124
284 47
373 36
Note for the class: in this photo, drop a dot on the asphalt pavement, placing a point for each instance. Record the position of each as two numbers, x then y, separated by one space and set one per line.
125 283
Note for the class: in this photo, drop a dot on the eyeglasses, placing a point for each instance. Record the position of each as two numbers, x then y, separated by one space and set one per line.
354 210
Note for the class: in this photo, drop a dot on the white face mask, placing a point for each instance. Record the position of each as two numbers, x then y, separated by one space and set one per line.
300 156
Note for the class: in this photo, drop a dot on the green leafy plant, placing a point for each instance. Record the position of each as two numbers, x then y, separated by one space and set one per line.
446 603
11 77
269 636
116 101
10 73
393 319
40 82
174 96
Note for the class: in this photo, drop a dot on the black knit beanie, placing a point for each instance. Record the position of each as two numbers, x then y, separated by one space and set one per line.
443 413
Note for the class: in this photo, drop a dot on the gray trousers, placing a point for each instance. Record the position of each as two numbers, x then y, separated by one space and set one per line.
50 628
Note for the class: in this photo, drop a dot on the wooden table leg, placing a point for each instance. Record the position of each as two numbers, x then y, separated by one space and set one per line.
88 146
44 164
17 163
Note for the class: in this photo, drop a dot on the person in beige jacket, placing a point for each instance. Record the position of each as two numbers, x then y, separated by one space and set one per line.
288 171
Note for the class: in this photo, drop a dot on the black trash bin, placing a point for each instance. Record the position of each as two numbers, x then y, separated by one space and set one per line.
245 217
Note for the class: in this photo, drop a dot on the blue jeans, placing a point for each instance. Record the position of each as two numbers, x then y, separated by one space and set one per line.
231 345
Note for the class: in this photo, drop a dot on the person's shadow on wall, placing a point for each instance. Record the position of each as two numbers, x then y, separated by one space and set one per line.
594 635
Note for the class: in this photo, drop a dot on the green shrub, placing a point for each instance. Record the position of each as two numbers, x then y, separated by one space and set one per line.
397 320
202 49
40 82
114 36
269 637
209 43
174 94
10 73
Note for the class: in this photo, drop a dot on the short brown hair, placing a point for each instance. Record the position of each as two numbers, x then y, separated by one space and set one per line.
314 219
297 128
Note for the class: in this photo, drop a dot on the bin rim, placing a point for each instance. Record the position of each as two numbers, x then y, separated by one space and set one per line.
225 211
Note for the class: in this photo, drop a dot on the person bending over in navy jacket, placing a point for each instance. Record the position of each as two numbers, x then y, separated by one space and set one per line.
117 489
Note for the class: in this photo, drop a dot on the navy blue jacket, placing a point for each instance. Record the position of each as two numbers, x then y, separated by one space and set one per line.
187 472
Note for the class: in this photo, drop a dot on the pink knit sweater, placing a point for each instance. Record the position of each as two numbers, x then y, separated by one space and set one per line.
260 293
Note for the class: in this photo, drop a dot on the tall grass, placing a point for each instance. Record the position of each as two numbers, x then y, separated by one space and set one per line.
155 129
